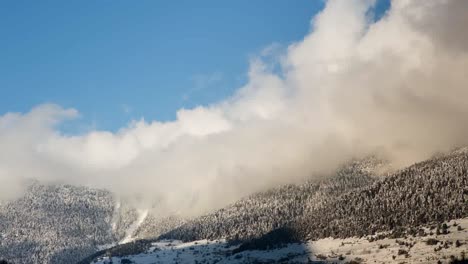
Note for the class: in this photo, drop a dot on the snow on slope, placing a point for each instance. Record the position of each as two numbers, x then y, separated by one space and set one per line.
115 216
409 249
142 214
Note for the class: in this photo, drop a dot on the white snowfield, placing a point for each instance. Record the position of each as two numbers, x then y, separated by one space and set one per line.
421 249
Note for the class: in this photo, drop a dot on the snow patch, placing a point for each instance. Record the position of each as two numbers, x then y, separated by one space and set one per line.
142 214
115 216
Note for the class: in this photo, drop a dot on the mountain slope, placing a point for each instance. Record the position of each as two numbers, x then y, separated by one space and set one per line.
426 193
352 204
260 213
53 224
64 223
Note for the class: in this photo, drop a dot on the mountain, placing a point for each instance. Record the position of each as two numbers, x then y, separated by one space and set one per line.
55 224
406 203
263 212
64 224
426 193
260 213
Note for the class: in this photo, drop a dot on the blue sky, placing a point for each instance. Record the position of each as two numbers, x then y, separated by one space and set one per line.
115 61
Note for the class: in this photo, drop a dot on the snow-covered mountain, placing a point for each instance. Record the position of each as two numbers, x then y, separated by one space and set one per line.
409 202
55 224
65 224
426 193
263 212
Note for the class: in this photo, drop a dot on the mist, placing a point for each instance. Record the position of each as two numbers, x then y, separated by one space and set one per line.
352 87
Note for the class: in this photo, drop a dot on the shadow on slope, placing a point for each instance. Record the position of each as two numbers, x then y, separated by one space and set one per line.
132 248
205 251
274 239
22 251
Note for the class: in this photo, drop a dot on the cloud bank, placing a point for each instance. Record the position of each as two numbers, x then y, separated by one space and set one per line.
351 87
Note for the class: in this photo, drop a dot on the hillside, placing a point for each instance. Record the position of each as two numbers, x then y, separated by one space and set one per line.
351 204
63 224
55 224
426 193
260 213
